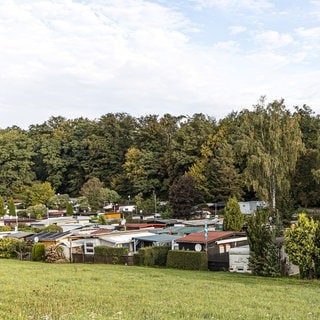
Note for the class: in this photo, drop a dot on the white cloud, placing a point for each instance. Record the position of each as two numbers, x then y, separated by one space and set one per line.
233 30
274 39
89 58
237 4
310 33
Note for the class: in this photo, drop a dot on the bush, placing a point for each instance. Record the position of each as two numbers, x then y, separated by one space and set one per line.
5 228
153 256
38 252
9 247
52 228
187 260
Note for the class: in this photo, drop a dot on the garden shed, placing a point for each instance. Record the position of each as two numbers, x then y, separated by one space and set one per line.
216 244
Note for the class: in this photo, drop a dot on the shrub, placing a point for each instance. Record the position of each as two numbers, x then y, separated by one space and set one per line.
52 228
109 254
38 252
153 256
9 247
5 228
187 260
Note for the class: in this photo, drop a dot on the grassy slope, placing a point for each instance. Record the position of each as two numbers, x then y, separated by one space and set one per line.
31 290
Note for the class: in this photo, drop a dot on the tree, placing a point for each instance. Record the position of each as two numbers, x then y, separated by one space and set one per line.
3 210
109 196
49 140
83 203
186 143
58 201
69 209
37 211
301 245
12 208
15 161
142 170
264 254
183 196
271 141
91 190
112 136
215 171
233 218
37 193
305 181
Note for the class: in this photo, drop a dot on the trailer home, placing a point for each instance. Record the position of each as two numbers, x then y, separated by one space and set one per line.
239 259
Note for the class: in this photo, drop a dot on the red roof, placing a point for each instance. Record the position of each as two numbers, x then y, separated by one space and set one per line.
212 236
133 226
101 231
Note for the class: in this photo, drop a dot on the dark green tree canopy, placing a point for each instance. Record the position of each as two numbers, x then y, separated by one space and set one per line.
256 154
183 196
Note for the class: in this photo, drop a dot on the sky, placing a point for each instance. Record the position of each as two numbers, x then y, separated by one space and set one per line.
87 58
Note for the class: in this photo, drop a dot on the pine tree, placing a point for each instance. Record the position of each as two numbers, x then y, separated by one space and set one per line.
264 254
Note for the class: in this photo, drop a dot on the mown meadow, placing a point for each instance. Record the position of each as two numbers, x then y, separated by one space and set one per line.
34 290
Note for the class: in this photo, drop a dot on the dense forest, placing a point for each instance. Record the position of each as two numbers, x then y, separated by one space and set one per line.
267 153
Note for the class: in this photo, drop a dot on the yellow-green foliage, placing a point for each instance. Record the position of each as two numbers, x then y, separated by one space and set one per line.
301 245
5 228
9 247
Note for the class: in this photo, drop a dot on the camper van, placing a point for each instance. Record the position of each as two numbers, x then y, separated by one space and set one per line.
239 259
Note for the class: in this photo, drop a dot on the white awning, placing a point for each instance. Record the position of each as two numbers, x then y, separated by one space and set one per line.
231 240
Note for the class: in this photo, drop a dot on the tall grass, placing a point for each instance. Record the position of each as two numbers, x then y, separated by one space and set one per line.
33 290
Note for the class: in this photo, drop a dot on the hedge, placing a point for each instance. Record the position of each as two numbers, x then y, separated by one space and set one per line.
105 254
187 260
153 256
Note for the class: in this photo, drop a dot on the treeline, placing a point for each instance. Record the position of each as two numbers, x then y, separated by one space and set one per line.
267 153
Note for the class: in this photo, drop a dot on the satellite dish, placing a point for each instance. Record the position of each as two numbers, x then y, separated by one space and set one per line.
36 239
198 247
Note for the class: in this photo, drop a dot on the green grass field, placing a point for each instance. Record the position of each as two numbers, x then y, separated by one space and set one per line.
33 290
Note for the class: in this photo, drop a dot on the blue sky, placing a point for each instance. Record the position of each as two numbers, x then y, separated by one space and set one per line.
90 57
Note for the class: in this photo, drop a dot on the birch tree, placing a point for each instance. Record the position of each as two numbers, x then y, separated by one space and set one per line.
271 142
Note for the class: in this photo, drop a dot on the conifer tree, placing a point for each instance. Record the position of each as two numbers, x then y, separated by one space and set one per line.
233 218
2 207
12 208
264 254
301 245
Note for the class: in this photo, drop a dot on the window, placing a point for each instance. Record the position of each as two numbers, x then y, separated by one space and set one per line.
89 248
221 248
